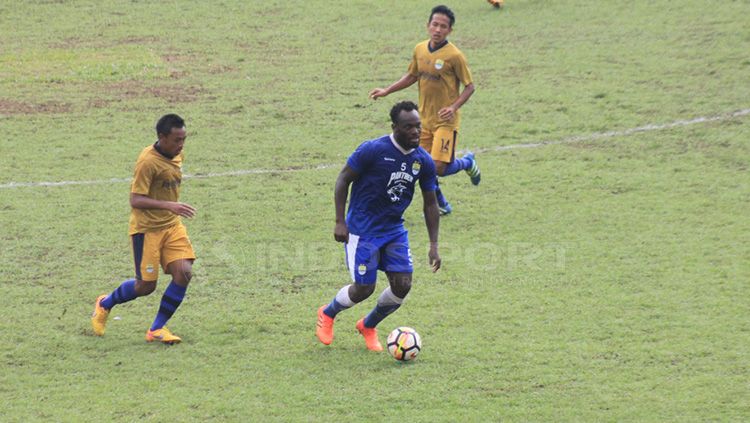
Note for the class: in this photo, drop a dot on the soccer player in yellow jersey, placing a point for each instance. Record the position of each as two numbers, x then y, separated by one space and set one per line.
441 69
159 238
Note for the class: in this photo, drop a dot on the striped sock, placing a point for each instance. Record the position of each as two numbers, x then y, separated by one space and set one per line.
124 293
456 166
171 299
388 302
340 303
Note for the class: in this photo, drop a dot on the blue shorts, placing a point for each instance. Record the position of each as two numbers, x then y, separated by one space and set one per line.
366 255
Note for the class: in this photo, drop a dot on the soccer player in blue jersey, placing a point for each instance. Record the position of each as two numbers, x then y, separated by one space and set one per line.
383 174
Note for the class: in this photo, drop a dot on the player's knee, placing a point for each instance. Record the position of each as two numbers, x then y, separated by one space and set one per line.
143 288
401 288
360 292
440 168
182 272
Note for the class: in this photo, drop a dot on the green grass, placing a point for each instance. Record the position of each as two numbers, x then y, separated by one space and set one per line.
601 280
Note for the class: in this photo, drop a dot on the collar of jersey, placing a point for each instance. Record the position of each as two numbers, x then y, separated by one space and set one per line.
156 147
401 149
443 44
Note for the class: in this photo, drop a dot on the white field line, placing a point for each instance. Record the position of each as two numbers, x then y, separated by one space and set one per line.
574 139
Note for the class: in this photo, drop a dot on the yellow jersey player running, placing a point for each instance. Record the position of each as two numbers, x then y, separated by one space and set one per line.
440 68
159 238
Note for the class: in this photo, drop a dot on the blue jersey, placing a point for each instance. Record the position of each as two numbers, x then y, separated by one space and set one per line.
385 186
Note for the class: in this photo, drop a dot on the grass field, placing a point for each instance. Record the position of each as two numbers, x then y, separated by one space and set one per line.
600 277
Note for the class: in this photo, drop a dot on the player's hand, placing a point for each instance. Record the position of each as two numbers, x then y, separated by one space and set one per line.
447 113
377 93
183 209
341 232
435 260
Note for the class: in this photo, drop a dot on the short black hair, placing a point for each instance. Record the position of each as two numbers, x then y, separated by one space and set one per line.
443 10
167 122
404 106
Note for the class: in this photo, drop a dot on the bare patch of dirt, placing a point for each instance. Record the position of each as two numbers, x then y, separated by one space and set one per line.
13 107
128 90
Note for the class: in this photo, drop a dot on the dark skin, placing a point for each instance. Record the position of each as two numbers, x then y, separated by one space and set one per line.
406 133
181 270
439 27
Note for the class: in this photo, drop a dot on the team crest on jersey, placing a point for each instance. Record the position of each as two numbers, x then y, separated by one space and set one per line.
415 167
362 269
439 64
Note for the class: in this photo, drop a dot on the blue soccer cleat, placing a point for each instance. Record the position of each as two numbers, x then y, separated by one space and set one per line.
445 208
473 171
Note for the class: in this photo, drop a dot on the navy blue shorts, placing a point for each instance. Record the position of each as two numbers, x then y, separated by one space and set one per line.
366 255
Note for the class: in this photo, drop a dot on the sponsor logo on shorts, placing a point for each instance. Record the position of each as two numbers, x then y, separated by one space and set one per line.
149 268
362 269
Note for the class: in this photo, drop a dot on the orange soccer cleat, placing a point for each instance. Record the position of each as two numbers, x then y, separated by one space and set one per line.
163 335
99 317
370 335
324 327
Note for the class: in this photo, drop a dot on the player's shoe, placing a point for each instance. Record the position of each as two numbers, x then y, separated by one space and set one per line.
370 335
473 171
324 327
162 335
444 207
496 3
99 317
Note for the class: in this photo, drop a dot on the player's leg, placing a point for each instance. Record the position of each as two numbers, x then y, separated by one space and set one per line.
446 163
145 254
390 299
397 263
429 141
362 261
177 260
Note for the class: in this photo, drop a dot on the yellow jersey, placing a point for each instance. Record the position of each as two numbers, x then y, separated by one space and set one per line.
156 176
440 74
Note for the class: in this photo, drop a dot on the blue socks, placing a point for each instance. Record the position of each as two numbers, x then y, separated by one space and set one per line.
124 293
456 166
388 302
171 299
440 197
340 303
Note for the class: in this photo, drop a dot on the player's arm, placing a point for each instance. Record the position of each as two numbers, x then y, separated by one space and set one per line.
140 201
432 219
340 193
406 81
447 113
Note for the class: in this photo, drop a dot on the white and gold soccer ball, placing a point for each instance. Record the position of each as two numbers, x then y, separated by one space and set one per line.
404 343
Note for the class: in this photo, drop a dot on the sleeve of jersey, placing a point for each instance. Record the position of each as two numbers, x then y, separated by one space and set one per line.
462 70
360 160
428 179
413 66
142 177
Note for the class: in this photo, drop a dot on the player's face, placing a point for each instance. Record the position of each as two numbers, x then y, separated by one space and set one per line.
406 130
172 143
439 27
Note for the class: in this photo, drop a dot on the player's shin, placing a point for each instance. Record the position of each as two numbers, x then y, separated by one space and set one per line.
340 302
124 293
172 298
388 302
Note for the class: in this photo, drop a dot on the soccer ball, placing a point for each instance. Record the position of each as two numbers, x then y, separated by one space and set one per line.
404 343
